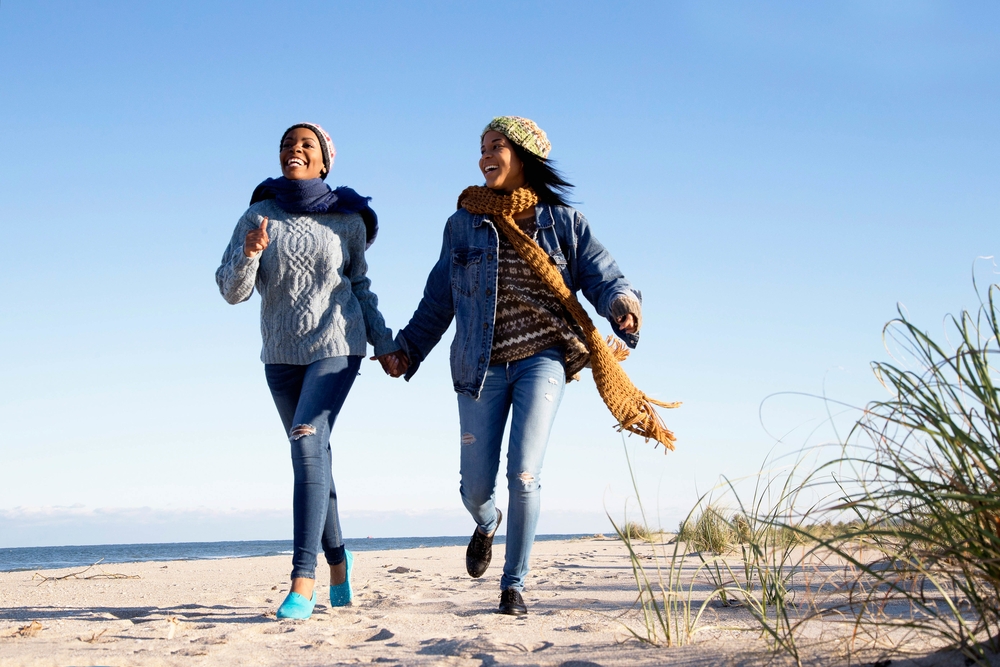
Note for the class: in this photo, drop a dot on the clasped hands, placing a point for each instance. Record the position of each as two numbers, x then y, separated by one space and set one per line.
394 363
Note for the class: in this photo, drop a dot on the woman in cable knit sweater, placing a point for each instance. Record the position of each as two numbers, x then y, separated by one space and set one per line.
302 246
515 344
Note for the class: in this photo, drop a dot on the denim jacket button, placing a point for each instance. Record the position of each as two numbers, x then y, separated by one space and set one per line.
481 358
486 325
489 291
489 257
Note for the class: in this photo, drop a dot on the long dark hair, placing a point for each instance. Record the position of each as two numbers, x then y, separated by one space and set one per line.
550 186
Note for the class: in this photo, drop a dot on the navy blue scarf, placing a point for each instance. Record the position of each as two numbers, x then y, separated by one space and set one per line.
315 196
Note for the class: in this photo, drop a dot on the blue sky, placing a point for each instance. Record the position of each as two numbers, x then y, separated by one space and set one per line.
775 177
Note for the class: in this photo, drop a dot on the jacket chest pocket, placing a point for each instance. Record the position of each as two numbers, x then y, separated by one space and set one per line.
559 260
466 268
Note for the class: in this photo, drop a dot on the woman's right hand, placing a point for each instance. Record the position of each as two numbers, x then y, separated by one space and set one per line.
628 323
256 240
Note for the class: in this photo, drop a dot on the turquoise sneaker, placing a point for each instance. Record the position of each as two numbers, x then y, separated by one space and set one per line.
342 594
297 606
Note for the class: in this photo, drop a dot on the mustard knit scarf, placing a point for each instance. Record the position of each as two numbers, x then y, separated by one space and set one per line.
632 408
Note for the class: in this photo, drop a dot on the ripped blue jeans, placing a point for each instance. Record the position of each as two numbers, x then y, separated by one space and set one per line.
308 399
531 390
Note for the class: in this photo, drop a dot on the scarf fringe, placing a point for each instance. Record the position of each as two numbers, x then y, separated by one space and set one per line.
631 407
617 347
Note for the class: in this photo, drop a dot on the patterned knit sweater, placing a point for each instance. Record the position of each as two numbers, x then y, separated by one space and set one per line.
529 317
316 300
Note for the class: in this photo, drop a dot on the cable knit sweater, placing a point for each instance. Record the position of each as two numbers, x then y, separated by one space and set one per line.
316 300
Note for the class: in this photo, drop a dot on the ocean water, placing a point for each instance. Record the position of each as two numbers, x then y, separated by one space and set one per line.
41 558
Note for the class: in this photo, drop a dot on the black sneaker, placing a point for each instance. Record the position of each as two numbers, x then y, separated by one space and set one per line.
480 551
511 603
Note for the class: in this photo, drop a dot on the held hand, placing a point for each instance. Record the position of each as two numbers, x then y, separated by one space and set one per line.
256 240
627 323
394 364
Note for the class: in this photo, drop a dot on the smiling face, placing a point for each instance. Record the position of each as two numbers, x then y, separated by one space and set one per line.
501 167
301 156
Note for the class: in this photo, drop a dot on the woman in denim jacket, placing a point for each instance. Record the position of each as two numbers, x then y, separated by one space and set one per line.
302 246
515 345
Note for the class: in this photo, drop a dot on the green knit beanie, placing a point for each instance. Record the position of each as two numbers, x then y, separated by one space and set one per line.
523 132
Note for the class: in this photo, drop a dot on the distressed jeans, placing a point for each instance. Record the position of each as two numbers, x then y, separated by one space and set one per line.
308 399
531 390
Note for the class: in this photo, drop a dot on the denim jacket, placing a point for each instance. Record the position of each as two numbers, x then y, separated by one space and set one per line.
463 286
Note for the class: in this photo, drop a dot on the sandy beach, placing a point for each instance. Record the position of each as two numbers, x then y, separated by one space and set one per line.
412 607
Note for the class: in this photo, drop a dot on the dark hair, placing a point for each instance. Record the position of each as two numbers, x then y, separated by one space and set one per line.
543 178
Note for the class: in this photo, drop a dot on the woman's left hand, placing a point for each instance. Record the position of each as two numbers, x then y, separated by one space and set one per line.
628 323
394 364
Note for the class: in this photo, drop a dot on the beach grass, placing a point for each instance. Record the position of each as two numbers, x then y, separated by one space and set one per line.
892 532
636 531
924 493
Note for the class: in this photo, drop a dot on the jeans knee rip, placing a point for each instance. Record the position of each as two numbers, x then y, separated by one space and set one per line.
526 478
553 381
549 398
468 439
301 431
